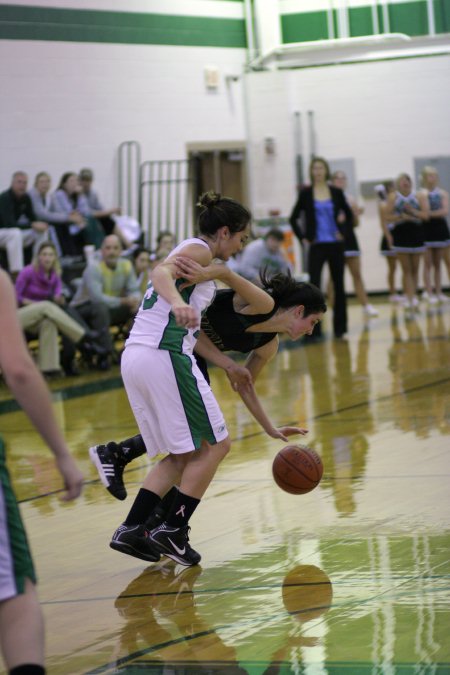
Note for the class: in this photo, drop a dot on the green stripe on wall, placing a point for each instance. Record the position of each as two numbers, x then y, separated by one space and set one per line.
304 27
405 17
442 15
72 25
408 17
21 22
360 21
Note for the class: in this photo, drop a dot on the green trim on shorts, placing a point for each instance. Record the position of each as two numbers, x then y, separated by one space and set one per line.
191 398
173 335
20 550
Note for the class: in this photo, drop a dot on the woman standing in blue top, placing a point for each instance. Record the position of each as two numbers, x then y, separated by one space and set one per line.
328 217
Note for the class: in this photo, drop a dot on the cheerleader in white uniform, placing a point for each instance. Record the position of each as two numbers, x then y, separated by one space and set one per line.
387 242
437 235
352 252
407 210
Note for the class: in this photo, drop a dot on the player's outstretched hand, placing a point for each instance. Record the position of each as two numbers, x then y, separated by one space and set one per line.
71 475
239 376
284 432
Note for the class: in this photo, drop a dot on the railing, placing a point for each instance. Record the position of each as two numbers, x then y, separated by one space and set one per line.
166 198
129 161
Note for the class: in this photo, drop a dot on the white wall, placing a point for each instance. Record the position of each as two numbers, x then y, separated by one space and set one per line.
382 114
67 105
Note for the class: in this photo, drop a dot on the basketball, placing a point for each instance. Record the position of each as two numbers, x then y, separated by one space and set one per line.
307 592
297 469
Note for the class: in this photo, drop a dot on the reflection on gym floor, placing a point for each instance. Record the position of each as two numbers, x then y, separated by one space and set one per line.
352 578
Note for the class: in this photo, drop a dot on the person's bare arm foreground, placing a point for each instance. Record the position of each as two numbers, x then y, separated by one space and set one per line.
29 388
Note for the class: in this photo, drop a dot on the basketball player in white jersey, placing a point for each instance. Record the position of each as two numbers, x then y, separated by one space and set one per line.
174 407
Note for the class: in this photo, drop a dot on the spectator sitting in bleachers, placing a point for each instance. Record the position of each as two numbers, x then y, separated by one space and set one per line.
110 226
165 243
41 312
59 222
142 263
69 198
263 254
19 225
109 294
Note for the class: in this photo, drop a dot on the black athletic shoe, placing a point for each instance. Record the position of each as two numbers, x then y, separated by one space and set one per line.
133 540
174 543
110 464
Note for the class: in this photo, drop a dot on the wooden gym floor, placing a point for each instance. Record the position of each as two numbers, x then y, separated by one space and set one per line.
353 578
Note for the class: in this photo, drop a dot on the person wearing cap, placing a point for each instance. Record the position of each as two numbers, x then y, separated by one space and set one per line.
86 178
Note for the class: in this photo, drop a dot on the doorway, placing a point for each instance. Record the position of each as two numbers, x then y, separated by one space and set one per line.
220 167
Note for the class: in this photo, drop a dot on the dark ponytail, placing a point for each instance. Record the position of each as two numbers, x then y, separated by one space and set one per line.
217 211
287 292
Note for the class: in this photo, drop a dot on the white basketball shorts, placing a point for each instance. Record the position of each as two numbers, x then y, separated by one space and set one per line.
173 404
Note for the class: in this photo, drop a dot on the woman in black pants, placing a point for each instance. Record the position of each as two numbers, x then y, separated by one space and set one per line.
327 218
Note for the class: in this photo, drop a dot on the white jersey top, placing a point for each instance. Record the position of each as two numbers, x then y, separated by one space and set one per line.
435 199
400 203
155 325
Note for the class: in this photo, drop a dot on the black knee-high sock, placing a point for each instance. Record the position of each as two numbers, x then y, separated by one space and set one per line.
132 447
28 669
142 507
181 510
168 499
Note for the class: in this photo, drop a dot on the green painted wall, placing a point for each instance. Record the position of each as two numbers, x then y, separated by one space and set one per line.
360 21
21 22
442 15
304 27
74 25
404 17
409 17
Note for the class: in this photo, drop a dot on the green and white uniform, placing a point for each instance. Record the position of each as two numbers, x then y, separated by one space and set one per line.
173 404
16 564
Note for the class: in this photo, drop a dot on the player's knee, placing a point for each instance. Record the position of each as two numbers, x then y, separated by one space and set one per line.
180 461
224 447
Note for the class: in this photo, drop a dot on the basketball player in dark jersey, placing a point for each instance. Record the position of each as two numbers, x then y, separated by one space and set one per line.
242 318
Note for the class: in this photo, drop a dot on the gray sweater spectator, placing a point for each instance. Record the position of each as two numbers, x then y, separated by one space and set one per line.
263 255
59 221
68 199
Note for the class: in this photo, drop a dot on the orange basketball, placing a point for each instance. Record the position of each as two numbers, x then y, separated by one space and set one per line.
297 469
